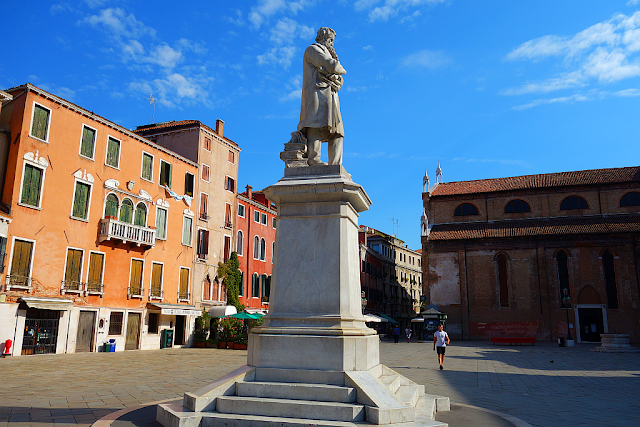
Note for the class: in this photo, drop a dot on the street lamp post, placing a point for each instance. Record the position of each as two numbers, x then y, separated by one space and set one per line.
566 303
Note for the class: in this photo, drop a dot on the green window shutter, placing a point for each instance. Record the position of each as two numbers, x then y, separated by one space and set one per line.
141 215
81 200
186 231
74 260
88 141
21 262
96 262
184 280
113 152
40 122
136 274
31 185
111 206
147 167
126 211
156 277
161 223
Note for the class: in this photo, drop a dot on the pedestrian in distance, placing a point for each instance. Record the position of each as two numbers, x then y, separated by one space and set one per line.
440 342
396 334
408 334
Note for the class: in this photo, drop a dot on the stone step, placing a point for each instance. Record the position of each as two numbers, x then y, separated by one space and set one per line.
393 382
308 376
409 394
214 419
296 391
334 411
443 404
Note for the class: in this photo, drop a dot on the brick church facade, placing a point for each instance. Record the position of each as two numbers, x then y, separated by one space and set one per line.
532 255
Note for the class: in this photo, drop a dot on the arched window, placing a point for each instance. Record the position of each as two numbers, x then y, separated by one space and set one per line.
503 279
263 283
465 209
111 206
610 279
206 284
141 215
240 243
255 286
630 199
573 202
256 247
562 263
263 249
126 211
517 206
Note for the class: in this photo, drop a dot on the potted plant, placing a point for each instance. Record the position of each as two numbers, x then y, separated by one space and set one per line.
201 330
231 331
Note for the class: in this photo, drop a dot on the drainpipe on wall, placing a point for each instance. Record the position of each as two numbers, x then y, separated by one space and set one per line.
466 282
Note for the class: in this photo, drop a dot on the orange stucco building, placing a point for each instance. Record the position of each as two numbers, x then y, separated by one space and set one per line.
97 248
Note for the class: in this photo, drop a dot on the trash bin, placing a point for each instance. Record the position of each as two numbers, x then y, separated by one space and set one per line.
112 346
561 341
166 339
106 348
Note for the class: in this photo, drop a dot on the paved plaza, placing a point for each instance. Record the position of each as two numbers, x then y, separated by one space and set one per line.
543 385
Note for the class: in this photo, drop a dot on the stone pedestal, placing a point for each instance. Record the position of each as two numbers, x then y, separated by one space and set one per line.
315 318
615 343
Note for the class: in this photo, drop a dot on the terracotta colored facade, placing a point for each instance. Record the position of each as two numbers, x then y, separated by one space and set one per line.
524 256
255 245
97 248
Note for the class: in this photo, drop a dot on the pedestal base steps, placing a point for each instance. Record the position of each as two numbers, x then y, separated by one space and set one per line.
272 397
615 343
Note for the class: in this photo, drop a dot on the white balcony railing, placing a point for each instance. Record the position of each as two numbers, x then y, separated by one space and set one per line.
18 282
111 228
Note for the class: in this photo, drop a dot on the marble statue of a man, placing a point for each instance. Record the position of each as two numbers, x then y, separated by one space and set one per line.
320 118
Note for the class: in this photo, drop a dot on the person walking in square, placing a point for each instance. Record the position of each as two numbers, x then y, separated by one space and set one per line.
396 334
440 341
408 333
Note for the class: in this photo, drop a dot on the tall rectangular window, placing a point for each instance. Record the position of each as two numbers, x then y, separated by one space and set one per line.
187 226
204 206
227 215
21 262
232 157
240 210
115 323
229 184
203 243
165 173
207 143
72 270
241 286
205 173
256 216
31 185
135 279
113 152
147 167
40 124
255 286
161 223
263 219
81 200
156 281
88 143
183 291
189 184
227 248
153 323
94 277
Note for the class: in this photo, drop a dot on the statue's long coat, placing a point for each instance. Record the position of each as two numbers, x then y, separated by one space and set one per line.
320 104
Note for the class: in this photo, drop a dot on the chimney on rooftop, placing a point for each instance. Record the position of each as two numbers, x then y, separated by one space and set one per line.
249 192
220 127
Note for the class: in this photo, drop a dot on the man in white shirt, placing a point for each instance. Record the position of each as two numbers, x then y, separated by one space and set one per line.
441 341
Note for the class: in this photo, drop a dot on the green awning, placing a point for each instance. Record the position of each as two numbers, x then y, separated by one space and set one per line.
387 317
243 315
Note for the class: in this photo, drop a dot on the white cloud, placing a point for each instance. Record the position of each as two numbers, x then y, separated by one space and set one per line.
286 30
426 59
610 66
119 23
294 86
566 81
278 56
589 96
172 89
632 2
265 9
368 47
392 8
60 8
96 3
410 18
165 56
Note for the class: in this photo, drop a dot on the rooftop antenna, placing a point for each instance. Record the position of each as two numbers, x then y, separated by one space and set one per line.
394 226
152 100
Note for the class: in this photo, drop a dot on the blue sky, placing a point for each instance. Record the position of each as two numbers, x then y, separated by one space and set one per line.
491 89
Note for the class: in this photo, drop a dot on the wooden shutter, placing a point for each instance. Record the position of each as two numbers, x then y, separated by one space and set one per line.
40 121
21 262
80 200
204 200
205 242
161 223
113 149
156 278
227 214
231 157
227 247
147 166
31 185
207 289
126 211
111 206
136 274
184 280
96 261
74 261
141 215
88 139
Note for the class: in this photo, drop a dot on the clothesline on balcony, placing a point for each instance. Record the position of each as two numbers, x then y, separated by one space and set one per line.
177 197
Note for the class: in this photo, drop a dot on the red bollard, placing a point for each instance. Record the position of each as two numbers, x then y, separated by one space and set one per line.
7 347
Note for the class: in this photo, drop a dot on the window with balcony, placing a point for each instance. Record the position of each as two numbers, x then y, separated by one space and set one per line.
189 184
72 272
135 278
240 243
40 122
126 211
111 205
141 215
115 322
204 206
187 230
161 223
95 274
88 142
202 249
113 153
155 291
183 290
165 173
147 167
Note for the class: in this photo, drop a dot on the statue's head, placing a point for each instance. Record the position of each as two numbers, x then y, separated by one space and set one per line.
325 36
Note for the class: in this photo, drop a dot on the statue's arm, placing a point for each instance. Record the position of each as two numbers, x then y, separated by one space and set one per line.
319 59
